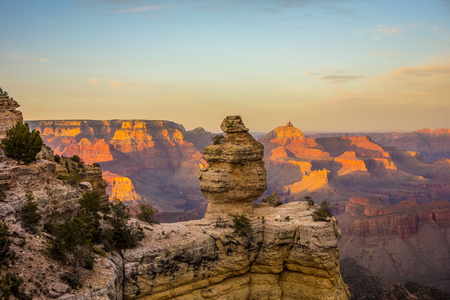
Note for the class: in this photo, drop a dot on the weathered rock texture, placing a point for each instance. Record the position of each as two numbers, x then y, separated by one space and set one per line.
9 115
287 256
235 175
41 178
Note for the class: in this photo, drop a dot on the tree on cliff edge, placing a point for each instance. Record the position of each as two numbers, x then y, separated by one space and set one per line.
21 144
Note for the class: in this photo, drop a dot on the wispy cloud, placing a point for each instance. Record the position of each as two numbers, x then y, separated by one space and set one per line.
331 75
15 56
338 78
424 70
95 80
393 31
137 9
382 30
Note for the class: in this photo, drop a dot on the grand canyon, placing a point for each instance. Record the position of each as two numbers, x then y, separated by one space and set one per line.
392 204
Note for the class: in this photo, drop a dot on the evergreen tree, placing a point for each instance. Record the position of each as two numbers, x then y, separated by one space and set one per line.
30 214
21 144
119 234
146 214
5 241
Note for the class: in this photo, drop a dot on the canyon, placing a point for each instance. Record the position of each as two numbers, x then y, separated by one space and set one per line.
156 162
284 255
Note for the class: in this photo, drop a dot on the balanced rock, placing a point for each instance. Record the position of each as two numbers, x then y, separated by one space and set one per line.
235 175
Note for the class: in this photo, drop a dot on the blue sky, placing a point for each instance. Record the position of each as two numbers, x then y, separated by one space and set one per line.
324 65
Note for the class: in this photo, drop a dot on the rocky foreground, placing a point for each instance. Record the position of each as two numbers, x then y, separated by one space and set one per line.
287 256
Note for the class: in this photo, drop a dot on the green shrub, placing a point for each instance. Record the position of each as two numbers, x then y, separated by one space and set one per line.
310 201
96 165
3 187
278 203
76 159
146 214
21 144
241 225
217 139
74 178
323 212
72 279
57 158
72 241
30 213
5 241
119 234
10 285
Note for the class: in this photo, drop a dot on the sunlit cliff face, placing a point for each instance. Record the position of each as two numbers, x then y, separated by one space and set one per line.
120 187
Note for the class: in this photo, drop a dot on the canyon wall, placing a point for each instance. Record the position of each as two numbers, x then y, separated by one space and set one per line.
144 161
407 241
431 144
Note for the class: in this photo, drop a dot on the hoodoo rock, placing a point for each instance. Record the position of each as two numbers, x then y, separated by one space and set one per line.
235 175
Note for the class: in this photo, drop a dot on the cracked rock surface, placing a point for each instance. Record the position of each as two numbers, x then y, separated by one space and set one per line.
287 256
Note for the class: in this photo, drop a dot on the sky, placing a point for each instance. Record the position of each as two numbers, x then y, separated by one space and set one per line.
324 65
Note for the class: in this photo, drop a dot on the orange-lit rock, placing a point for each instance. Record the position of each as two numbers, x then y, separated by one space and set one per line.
289 142
120 187
383 163
350 163
89 151
309 183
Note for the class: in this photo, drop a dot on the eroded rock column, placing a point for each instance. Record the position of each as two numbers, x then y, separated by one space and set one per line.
235 175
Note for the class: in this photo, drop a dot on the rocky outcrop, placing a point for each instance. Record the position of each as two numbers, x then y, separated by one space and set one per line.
41 178
284 254
399 242
287 256
9 115
235 175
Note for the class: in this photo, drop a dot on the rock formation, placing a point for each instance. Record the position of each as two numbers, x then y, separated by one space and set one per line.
284 255
235 175
120 187
431 144
399 242
159 157
9 115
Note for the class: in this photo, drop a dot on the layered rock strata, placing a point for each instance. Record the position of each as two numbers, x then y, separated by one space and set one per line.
407 241
235 175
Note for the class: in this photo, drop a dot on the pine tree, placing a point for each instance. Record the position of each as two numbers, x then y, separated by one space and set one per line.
30 214
21 144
